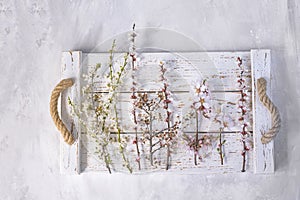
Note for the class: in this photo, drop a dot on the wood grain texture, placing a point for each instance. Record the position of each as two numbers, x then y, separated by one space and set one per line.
70 155
263 153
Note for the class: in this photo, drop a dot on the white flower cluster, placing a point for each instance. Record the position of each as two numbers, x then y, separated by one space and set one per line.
202 98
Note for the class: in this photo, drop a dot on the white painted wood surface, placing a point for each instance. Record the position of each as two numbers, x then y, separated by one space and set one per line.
221 71
263 153
70 155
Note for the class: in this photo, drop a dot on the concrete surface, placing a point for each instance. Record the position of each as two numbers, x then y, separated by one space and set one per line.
33 33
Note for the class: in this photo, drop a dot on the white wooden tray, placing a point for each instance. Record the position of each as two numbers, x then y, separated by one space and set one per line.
221 71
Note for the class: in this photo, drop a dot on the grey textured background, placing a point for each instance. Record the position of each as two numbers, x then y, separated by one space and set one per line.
33 33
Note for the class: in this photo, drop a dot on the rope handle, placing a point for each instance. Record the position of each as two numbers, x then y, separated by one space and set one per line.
61 86
269 135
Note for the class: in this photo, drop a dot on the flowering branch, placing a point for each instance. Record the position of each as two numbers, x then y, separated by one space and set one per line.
113 88
132 54
203 142
101 115
92 110
201 106
224 121
243 111
147 106
166 101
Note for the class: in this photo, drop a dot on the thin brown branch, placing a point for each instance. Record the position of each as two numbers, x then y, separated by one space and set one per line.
196 138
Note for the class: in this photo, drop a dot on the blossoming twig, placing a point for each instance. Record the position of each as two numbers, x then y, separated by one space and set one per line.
203 142
113 88
224 121
133 94
147 106
90 110
201 106
101 111
243 111
166 101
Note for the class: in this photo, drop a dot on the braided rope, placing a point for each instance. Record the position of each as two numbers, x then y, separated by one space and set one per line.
271 133
62 85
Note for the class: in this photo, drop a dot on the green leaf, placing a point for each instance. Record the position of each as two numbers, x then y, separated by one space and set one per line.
69 101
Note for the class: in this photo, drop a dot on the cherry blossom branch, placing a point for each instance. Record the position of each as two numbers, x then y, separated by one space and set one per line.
166 129
147 105
243 111
167 101
133 94
201 107
203 141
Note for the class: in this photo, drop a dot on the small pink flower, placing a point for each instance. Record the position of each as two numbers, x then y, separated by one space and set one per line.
167 101
138 159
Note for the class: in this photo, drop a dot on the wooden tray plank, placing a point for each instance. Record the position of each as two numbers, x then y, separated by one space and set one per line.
70 155
220 69
263 153
182 160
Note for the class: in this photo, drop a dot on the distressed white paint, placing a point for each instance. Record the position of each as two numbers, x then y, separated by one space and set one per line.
263 153
219 68
70 154
182 159
221 71
225 100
